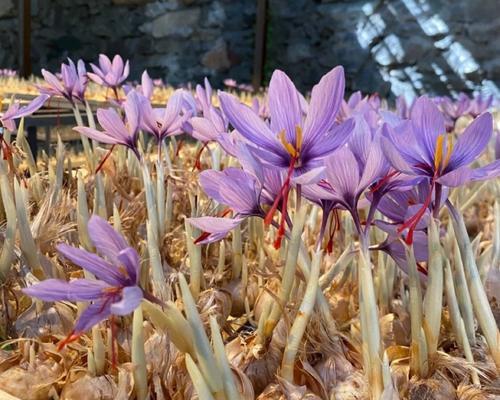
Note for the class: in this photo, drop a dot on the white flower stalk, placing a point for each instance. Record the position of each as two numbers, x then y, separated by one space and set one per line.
7 254
345 258
288 274
223 364
169 205
457 321
195 267
100 197
463 295
57 187
138 356
170 320
433 301
160 289
418 355
151 203
28 246
368 306
201 386
495 261
237 254
82 215
301 320
205 357
160 200
87 149
98 351
482 308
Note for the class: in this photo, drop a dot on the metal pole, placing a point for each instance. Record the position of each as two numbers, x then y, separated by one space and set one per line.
260 44
24 13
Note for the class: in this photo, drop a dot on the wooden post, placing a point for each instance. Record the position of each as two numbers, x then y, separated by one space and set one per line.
260 44
24 12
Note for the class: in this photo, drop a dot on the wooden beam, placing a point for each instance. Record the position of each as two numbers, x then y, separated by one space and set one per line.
24 12
260 44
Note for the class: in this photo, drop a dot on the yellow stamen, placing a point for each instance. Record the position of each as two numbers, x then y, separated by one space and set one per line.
298 137
288 146
438 153
449 149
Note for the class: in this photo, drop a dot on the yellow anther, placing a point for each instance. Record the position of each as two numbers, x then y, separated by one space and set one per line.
438 153
449 149
298 137
287 145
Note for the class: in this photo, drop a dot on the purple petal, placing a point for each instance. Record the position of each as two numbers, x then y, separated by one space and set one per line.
472 142
131 299
101 137
218 227
108 242
329 142
52 80
173 109
91 262
394 156
343 173
284 105
247 123
132 111
146 85
95 77
92 315
429 123
113 124
132 263
325 102
59 290
33 106
203 129
376 166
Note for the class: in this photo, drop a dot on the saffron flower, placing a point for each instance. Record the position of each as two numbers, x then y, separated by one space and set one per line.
116 131
116 290
15 111
291 142
421 148
72 84
163 122
109 73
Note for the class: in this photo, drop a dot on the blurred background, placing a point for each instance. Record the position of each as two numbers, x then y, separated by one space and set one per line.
392 47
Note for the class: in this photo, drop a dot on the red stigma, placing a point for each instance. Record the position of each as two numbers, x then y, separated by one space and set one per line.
69 339
104 159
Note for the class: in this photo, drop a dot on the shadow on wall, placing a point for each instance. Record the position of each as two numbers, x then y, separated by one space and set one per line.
394 47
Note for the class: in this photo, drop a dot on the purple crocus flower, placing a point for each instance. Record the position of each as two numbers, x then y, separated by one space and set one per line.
72 84
116 290
15 111
109 73
116 131
163 122
422 149
290 142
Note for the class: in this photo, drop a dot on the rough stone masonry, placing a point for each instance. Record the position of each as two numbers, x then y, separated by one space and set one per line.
386 46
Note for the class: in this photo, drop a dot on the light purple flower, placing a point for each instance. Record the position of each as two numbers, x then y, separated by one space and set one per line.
116 131
109 73
116 290
163 122
72 84
15 111
290 141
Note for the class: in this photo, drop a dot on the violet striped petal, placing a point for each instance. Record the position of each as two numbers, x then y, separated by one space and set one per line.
92 315
59 290
131 299
107 241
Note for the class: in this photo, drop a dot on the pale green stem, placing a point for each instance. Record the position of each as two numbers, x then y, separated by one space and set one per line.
195 267
288 274
201 386
301 320
139 356
457 321
205 356
433 303
237 253
7 254
220 354
479 298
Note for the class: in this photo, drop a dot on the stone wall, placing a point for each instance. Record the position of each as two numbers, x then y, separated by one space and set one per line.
388 46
